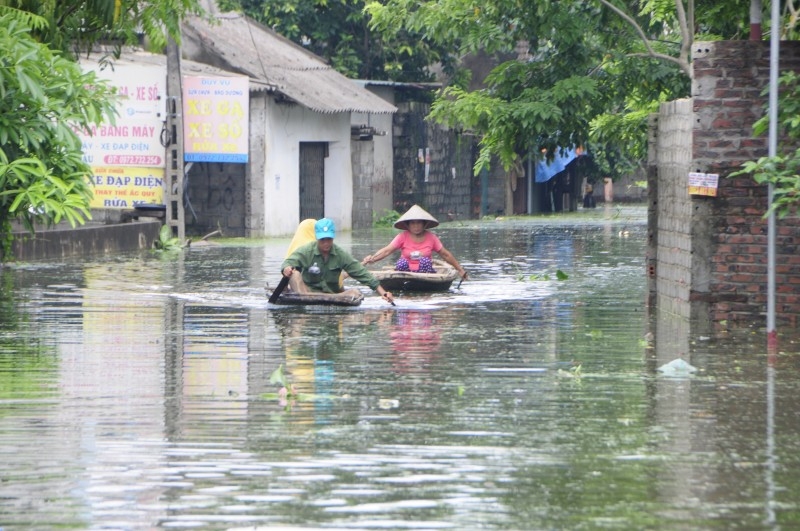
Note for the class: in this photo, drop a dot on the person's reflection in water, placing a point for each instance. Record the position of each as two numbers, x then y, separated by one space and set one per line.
305 345
415 339
312 343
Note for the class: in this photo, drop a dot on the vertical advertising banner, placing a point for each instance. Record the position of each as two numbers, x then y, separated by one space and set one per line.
134 140
127 157
215 119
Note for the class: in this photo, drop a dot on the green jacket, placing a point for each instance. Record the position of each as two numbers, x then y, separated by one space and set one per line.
305 256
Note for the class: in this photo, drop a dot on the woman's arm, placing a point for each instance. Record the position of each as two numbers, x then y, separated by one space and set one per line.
378 256
450 259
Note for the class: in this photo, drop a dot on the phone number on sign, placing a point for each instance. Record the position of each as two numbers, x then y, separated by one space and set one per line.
149 160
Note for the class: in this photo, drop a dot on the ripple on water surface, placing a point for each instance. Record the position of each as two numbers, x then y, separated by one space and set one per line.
136 393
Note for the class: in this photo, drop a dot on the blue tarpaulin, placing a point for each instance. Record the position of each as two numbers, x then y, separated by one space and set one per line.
546 170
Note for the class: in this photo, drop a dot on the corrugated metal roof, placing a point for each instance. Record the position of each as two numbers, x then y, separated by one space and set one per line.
399 84
239 44
192 67
139 57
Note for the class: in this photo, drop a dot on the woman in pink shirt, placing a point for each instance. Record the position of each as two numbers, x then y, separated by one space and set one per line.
416 244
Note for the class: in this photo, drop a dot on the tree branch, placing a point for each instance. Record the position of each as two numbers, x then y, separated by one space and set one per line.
793 17
655 55
687 33
683 60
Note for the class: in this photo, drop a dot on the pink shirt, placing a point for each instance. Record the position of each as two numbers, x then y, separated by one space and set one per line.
407 246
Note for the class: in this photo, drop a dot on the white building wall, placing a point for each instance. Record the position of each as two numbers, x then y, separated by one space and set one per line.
287 126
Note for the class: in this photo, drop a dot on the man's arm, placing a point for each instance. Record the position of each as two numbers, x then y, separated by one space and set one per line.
297 260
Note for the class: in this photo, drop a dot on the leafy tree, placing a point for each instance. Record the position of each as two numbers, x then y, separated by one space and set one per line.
783 169
42 175
339 32
77 25
590 73
44 95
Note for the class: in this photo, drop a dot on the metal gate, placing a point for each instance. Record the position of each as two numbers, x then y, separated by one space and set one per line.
312 179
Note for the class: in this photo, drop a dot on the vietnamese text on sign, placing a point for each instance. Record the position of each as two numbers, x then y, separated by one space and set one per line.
703 184
215 119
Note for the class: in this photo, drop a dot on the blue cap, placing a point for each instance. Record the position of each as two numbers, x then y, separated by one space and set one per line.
324 228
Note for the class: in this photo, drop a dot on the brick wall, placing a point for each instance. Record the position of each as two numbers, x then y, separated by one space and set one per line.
729 79
448 188
727 271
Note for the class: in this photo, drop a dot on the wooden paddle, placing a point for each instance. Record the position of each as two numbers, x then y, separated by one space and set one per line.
279 289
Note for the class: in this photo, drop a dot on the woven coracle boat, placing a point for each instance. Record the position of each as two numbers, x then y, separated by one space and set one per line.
392 280
351 297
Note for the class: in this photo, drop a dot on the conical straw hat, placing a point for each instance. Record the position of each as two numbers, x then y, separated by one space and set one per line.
416 212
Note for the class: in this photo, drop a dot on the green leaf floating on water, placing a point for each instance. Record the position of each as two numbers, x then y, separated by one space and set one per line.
277 377
544 277
167 242
300 397
287 389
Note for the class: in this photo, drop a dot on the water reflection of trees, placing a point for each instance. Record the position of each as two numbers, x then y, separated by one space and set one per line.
27 364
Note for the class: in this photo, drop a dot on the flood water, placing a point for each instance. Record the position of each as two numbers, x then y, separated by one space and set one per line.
135 393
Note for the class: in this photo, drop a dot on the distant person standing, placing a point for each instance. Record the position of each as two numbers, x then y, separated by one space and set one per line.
608 189
588 197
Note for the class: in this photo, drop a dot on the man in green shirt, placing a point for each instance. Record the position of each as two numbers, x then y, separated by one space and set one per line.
318 265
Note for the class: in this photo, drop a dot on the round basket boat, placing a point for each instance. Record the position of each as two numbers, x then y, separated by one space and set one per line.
347 298
441 280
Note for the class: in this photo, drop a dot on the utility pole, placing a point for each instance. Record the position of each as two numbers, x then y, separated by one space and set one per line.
774 67
174 175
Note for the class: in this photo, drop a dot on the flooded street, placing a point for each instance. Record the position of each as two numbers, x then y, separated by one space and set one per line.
135 393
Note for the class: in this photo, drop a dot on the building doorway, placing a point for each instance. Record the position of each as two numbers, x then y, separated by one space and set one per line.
312 179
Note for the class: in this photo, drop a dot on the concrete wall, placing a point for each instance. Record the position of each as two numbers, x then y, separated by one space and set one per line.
375 183
497 192
286 126
63 241
216 199
712 251
255 204
673 222
363 161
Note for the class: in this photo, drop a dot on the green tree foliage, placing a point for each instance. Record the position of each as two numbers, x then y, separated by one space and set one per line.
722 20
589 73
339 32
77 25
42 96
45 97
782 170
